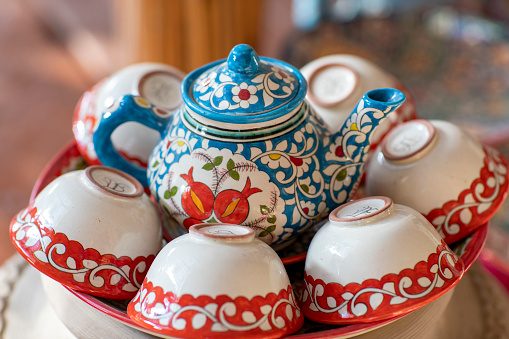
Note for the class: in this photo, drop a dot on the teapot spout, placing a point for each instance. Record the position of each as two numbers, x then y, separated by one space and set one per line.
354 137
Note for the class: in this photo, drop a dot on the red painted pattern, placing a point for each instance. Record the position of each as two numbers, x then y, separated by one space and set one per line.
478 192
85 112
231 206
186 316
392 295
66 261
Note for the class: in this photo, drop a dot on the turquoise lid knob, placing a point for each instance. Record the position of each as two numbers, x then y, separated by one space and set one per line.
243 59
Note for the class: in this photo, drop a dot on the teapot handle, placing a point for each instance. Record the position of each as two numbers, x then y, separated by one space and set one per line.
130 109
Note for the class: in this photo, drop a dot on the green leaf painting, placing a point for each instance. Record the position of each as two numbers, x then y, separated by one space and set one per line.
218 160
234 174
341 175
230 165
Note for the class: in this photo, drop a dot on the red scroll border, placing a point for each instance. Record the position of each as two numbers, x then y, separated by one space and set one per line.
69 263
388 297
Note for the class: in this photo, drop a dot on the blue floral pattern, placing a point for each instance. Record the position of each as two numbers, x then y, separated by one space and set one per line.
245 148
300 175
267 89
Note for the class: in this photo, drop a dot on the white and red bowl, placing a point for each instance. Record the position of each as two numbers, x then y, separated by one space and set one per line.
217 281
443 172
93 230
374 260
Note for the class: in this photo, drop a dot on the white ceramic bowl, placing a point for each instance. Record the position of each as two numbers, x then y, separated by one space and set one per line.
93 230
441 171
374 260
217 281
337 82
156 82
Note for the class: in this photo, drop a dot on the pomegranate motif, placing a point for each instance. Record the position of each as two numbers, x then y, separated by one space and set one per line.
197 198
190 222
231 206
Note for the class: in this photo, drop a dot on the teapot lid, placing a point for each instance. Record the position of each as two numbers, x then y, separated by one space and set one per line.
244 88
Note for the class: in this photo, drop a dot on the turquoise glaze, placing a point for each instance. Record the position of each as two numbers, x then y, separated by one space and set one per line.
246 148
245 89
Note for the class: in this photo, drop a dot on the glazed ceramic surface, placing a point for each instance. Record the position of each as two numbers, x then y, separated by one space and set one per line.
337 82
156 82
468 248
373 260
441 171
478 305
94 230
217 281
69 159
246 148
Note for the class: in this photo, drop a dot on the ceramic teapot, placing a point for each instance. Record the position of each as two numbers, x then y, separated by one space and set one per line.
246 148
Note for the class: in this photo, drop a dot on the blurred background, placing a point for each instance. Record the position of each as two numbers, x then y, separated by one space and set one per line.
452 55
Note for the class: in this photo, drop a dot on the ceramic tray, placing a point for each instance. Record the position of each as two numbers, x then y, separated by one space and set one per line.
69 159
479 305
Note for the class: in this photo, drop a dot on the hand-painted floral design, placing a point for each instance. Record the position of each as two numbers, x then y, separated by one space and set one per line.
276 159
204 83
180 144
302 212
215 316
377 299
282 75
475 205
346 157
278 184
244 95
229 189
269 88
66 261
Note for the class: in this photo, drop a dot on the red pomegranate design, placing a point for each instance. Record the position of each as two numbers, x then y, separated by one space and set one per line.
197 198
231 206
190 222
